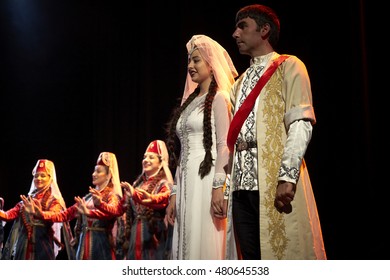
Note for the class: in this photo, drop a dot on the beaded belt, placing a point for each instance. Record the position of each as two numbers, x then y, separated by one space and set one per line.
241 146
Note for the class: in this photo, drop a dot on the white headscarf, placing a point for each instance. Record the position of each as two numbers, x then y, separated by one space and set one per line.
109 160
219 60
48 166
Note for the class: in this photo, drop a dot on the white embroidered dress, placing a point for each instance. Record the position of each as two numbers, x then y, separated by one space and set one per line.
197 235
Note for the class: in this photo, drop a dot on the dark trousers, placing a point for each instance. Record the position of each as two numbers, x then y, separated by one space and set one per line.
246 223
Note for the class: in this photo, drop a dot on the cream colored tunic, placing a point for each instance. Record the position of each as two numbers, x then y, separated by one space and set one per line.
297 235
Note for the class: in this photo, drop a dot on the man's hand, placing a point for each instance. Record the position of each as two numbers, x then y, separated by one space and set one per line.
285 192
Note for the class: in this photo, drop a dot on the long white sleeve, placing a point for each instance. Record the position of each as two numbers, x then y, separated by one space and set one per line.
298 138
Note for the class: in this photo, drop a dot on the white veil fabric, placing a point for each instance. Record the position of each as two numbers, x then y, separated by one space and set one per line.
219 60
55 191
109 159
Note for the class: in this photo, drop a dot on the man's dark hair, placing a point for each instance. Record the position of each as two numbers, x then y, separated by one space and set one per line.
262 15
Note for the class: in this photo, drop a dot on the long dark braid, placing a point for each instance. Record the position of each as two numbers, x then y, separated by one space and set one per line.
207 162
171 141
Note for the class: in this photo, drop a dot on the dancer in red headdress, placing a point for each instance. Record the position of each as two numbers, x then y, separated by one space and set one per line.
144 205
30 238
149 197
94 237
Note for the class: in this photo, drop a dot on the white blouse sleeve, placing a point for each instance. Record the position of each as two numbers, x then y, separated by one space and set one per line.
222 119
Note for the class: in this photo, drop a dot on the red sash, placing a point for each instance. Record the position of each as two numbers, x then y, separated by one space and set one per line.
242 114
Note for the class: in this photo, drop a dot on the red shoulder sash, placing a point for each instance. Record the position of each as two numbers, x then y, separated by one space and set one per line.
241 115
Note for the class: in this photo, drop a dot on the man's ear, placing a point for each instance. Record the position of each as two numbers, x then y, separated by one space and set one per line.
265 29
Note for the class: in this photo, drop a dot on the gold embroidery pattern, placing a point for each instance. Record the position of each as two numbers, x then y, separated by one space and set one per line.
272 152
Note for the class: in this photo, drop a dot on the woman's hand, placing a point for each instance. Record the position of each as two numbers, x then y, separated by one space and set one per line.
32 206
146 197
171 210
129 189
81 206
96 196
28 204
218 207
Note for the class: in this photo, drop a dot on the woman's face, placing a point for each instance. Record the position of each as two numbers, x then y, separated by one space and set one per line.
198 68
41 179
100 175
151 164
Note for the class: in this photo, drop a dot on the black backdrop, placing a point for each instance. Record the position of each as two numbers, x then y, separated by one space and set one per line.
81 77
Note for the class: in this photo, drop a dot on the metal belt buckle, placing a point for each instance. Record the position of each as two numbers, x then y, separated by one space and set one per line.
242 146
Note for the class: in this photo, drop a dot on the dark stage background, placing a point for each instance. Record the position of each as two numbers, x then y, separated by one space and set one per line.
81 77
